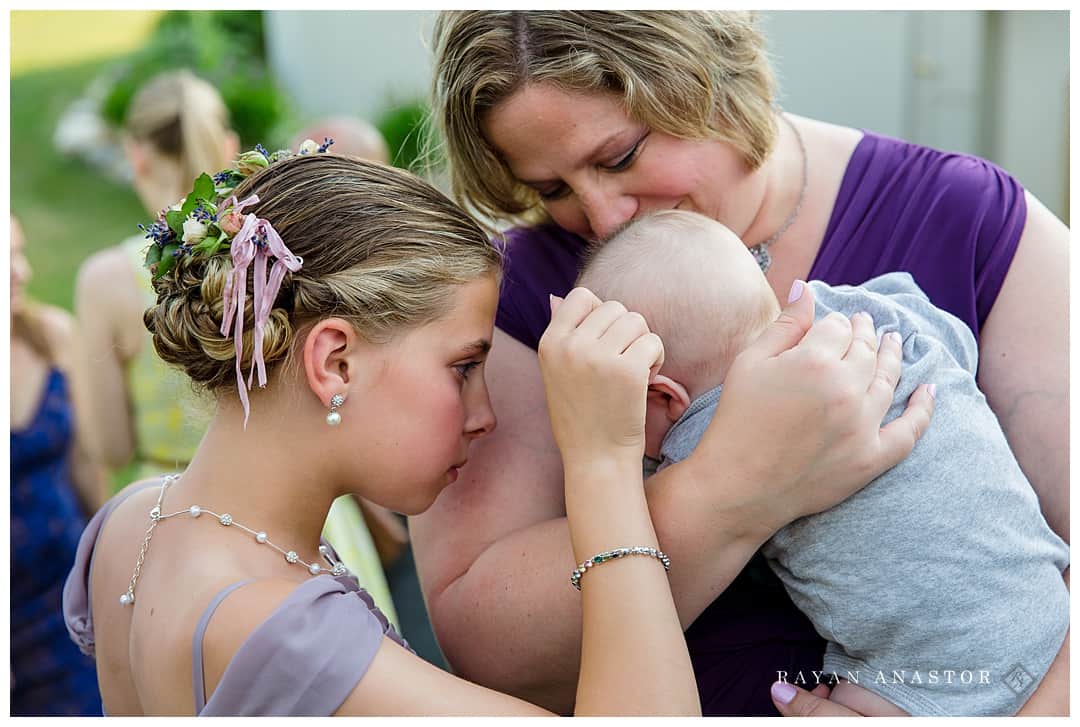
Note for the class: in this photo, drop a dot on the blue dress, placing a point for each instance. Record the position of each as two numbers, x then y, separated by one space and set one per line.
50 675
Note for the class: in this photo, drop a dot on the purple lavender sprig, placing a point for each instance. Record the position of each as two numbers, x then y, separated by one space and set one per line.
204 215
159 232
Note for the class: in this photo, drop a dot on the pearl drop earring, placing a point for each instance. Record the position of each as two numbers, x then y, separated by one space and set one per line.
333 418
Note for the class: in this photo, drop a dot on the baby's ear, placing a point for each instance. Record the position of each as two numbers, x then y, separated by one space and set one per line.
675 396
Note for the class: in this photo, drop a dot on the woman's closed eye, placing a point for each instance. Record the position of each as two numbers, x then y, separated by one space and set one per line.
627 159
558 190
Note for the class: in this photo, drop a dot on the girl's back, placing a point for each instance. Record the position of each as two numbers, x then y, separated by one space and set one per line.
145 651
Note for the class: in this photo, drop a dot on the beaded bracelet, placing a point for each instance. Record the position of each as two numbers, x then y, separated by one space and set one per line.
575 577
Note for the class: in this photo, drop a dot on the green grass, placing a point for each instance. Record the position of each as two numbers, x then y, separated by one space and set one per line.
67 209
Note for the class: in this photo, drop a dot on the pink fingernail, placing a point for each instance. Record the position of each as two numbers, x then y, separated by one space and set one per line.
783 692
796 291
932 388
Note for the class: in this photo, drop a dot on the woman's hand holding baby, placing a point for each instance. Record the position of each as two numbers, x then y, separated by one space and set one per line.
800 418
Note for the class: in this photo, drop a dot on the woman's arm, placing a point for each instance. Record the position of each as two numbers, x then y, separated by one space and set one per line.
104 293
1024 360
494 553
87 473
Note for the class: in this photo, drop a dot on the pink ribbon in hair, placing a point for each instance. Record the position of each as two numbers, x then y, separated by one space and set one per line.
257 241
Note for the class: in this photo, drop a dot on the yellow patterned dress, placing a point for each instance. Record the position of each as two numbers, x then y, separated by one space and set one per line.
169 419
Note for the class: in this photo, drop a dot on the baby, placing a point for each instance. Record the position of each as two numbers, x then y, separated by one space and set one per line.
939 586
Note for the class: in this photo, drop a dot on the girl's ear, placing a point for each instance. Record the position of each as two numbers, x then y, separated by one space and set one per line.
330 363
675 395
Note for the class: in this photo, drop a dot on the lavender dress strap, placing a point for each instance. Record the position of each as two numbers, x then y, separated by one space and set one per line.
307 656
198 685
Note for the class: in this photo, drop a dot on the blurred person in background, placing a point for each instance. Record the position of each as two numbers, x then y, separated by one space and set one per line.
176 128
352 135
55 482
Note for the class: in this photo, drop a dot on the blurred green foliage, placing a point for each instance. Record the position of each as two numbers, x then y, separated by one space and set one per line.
403 127
227 48
67 209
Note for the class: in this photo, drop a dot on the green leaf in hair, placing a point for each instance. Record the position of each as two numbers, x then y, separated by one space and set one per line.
168 260
153 255
175 220
204 188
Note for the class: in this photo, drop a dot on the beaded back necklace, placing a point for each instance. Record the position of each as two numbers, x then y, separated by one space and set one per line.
337 568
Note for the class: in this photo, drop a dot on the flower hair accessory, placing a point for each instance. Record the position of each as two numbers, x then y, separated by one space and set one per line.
210 218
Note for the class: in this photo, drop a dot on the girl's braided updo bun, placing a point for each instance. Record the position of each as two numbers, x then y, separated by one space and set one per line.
381 248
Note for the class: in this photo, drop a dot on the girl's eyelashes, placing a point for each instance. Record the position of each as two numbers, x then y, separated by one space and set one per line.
466 368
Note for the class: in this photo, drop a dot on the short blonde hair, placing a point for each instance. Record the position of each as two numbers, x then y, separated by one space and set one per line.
183 117
382 249
691 74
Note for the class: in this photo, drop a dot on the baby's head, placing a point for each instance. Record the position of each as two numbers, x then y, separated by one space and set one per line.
699 289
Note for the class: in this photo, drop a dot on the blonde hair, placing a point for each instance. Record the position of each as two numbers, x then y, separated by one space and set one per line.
691 74
382 249
184 118
696 284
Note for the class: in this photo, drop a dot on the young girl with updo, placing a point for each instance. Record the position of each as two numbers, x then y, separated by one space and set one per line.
145 416
340 312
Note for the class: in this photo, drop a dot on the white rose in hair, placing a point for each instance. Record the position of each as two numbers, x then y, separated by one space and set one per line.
194 230
309 146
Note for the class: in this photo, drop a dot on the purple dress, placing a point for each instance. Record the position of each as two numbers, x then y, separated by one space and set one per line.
951 220
304 659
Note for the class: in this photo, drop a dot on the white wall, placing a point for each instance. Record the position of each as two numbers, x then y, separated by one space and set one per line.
355 62
982 82
1030 136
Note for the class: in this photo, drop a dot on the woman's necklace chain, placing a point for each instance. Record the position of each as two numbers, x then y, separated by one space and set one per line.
337 568
761 251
